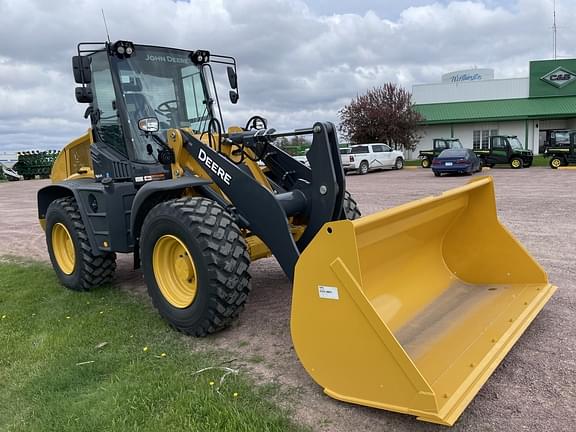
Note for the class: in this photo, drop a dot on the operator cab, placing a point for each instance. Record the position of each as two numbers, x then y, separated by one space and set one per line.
136 94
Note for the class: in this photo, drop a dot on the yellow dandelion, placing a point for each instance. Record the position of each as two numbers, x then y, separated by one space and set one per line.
101 312
163 355
235 395
3 316
211 383
67 317
145 349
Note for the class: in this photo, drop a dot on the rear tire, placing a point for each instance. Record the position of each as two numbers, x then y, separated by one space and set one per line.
399 164
350 207
77 267
425 163
556 162
516 163
363 168
220 262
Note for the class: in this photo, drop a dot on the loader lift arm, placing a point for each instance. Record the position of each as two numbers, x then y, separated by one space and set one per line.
314 193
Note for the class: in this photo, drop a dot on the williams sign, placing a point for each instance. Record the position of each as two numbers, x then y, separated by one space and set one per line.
559 77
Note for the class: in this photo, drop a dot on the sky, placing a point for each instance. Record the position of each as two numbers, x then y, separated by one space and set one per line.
299 61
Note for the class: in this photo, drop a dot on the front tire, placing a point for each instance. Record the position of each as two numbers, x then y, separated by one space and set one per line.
195 264
70 252
350 207
556 162
516 163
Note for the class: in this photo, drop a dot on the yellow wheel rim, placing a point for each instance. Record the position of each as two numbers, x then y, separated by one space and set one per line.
516 163
425 163
556 163
174 271
63 248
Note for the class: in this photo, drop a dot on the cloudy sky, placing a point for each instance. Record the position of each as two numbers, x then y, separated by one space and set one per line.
299 61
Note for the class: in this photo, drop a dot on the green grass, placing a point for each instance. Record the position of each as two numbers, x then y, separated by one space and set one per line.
412 162
47 332
540 160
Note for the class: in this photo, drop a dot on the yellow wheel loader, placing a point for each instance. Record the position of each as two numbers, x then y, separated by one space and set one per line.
158 176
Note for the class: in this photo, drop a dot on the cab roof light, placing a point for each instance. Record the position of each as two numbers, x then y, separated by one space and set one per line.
199 57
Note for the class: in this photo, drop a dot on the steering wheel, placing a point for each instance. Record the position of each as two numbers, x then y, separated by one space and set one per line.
167 108
256 123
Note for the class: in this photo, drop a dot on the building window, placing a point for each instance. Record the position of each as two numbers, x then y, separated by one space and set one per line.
480 138
485 140
476 140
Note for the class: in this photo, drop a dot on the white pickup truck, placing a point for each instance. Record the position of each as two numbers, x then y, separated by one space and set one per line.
365 157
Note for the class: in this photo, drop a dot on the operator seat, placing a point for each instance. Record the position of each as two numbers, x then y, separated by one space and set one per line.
137 105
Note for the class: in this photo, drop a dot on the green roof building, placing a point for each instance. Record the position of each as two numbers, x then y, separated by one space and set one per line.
471 105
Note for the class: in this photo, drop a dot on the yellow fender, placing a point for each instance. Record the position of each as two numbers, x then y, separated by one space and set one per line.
411 309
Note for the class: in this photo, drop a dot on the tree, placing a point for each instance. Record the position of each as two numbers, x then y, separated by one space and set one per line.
384 114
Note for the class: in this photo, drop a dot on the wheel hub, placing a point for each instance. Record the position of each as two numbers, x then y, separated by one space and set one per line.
63 248
174 271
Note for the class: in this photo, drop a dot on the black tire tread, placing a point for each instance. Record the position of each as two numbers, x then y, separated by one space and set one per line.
226 253
96 270
350 207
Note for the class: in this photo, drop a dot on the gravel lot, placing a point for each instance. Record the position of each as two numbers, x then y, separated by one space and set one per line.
533 389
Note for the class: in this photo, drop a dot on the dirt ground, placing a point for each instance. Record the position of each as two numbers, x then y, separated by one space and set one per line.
534 388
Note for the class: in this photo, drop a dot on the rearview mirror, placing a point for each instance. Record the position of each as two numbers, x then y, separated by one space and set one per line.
233 96
84 95
81 69
149 124
232 78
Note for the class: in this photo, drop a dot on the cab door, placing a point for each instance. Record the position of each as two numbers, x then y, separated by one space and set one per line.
500 150
378 157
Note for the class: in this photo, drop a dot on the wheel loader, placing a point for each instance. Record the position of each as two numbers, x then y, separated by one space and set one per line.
158 176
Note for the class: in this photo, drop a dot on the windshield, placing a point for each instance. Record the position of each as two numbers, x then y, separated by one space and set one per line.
162 83
454 153
515 143
456 144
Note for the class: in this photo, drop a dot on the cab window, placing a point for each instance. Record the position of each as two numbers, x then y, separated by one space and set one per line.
498 143
107 128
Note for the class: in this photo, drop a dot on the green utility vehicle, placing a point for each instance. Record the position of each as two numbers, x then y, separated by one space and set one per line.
439 145
562 155
505 149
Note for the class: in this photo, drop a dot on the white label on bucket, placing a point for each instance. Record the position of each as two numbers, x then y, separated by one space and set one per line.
328 292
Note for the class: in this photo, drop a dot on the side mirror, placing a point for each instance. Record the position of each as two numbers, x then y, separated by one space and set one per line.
81 69
149 124
232 78
84 95
233 96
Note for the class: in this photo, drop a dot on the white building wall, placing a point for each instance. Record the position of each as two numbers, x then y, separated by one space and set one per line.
513 88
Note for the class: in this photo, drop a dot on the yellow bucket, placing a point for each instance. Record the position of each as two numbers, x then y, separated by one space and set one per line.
411 309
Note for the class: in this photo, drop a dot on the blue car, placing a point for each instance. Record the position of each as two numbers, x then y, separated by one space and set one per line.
456 161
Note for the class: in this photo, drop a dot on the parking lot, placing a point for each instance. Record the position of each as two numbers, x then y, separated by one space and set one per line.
533 389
